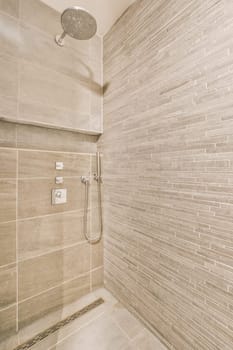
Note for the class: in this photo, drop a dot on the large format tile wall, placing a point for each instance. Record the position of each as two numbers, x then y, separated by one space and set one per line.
42 83
45 260
168 168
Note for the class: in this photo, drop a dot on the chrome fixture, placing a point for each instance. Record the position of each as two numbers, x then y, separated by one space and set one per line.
59 165
59 180
98 178
59 196
86 181
97 175
77 23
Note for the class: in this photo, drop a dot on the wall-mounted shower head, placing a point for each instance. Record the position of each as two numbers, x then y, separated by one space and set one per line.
77 23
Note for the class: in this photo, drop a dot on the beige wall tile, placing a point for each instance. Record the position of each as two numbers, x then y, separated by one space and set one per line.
81 65
42 164
8 108
96 114
11 7
35 198
8 163
94 193
97 277
54 98
39 274
38 47
46 19
9 38
7 200
9 76
47 87
7 286
93 164
7 322
76 260
7 134
52 116
9 340
39 306
95 222
96 54
7 243
45 234
97 255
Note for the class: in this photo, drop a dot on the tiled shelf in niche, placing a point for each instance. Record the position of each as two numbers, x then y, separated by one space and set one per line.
51 126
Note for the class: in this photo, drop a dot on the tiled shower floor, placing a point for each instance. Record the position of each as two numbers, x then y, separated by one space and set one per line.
107 327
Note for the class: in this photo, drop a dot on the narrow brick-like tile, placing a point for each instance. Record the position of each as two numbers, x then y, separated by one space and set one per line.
167 147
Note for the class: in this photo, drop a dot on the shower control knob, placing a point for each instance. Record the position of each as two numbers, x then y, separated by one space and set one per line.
58 194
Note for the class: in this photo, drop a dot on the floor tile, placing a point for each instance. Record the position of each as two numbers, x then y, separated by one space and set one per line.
109 326
126 321
145 340
102 334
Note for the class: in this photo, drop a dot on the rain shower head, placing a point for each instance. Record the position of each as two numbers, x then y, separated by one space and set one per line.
77 23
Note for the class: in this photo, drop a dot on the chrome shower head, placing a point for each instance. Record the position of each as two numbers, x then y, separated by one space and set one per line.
77 23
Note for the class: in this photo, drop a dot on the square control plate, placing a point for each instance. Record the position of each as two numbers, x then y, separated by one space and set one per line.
59 196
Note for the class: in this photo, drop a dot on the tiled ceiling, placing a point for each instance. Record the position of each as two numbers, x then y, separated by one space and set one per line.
106 12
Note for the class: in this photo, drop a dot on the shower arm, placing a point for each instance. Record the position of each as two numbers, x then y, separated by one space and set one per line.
77 23
60 38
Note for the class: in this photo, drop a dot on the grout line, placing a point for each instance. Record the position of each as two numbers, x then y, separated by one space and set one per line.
8 266
17 187
97 268
36 124
17 252
45 151
6 308
78 211
48 215
7 222
54 287
54 251
9 15
48 178
121 328
65 177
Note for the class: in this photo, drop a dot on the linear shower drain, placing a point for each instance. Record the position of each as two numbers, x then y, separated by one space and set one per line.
41 336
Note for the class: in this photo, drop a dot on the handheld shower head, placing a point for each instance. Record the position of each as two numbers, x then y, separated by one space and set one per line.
77 23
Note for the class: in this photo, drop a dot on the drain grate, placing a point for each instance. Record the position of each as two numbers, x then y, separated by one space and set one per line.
41 336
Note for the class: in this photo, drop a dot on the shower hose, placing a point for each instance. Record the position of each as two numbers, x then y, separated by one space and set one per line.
87 184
